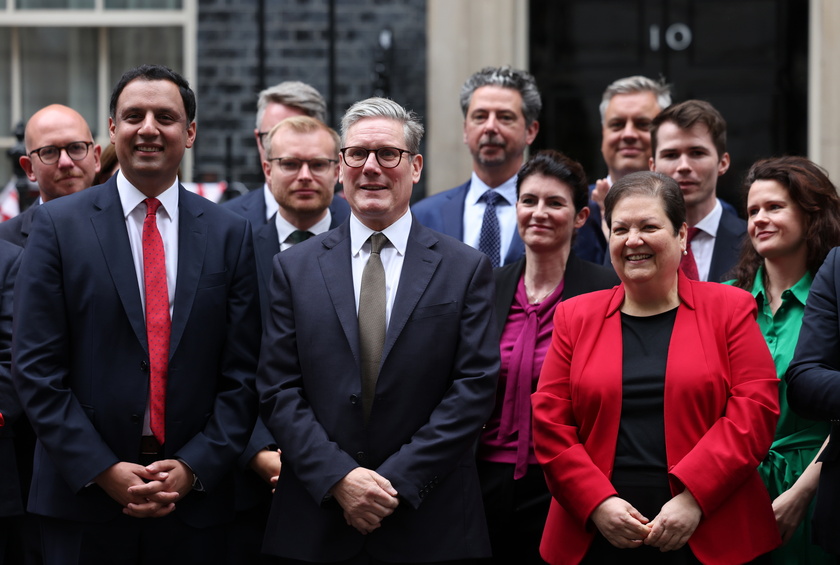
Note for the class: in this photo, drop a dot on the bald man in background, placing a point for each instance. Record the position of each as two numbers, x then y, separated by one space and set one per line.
61 156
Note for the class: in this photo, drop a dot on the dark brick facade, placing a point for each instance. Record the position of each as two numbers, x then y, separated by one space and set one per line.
296 47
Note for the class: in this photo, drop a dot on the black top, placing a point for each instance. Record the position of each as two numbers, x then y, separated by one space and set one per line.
640 450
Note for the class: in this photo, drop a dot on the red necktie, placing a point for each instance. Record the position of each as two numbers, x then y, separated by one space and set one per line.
158 324
687 263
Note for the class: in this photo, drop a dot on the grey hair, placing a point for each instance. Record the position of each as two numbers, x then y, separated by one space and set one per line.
506 77
631 85
295 94
385 108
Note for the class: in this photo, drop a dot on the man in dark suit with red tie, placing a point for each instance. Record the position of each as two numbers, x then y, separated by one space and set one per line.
378 369
136 363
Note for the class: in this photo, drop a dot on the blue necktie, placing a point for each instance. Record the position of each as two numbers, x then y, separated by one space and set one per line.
489 240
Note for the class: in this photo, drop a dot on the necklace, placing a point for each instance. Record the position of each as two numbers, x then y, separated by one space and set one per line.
537 298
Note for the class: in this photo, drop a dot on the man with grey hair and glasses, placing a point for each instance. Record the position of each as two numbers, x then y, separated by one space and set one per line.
627 109
275 104
378 370
500 106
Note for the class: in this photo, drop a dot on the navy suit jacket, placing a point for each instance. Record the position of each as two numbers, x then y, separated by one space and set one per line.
444 212
16 230
434 392
81 359
11 499
813 391
252 207
728 242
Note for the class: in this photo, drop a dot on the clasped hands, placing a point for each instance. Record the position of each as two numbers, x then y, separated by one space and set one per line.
625 527
147 492
366 498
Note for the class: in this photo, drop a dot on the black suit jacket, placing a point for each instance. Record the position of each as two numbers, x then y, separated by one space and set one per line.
16 230
580 277
11 499
81 359
813 391
434 392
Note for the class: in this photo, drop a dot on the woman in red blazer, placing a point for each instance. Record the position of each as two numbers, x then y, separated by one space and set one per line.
656 402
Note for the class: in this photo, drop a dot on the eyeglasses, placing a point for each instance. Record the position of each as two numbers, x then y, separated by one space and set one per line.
50 154
291 165
262 135
387 157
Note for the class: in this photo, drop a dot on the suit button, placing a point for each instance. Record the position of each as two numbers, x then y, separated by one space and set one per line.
135 418
354 399
144 366
361 457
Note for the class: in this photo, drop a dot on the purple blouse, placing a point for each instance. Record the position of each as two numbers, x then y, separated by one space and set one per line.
525 340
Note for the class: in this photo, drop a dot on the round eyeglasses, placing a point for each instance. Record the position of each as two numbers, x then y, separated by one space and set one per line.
50 154
291 165
387 157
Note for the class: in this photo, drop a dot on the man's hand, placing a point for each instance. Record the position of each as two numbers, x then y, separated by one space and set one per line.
620 523
118 480
266 464
173 481
675 523
366 497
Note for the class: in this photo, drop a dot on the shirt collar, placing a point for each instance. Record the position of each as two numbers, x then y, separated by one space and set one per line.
271 205
799 290
477 187
397 233
131 197
285 229
709 224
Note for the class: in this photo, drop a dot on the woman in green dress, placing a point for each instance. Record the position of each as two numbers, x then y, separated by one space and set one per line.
793 214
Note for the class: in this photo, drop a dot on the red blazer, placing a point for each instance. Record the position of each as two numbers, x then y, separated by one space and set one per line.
721 406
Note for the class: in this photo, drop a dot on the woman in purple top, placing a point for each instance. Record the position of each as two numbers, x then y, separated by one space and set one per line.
552 196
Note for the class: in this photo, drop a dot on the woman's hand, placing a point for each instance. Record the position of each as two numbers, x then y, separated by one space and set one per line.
675 523
620 523
790 508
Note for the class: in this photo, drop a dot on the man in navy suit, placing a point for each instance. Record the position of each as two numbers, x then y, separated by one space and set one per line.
61 157
11 489
377 433
137 434
275 104
500 107
688 141
627 109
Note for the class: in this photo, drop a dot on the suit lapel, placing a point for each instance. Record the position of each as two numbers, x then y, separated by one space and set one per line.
266 246
453 212
419 265
109 226
192 243
337 271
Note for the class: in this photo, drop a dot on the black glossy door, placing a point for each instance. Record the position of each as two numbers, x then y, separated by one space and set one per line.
749 58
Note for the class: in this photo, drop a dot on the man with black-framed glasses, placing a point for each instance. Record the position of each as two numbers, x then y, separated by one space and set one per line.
61 157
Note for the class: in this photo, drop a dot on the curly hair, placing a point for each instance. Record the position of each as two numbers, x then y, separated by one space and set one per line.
810 188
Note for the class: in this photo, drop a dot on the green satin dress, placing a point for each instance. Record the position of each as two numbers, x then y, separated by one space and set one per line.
797 440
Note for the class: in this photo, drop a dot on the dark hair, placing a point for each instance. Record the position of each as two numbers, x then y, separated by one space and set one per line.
552 163
505 77
156 72
648 183
809 186
685 115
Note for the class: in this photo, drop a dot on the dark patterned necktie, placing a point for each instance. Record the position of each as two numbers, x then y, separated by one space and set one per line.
490 240
299 235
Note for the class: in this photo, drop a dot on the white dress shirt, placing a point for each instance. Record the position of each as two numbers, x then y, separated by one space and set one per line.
134 212
285 229
392 255
703 244
474 213
271 205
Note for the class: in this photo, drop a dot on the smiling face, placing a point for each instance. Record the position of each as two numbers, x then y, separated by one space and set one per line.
495 129
303 196
150 133
625 133
545 214
643 246
59 126
379 196
689 157
776 224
